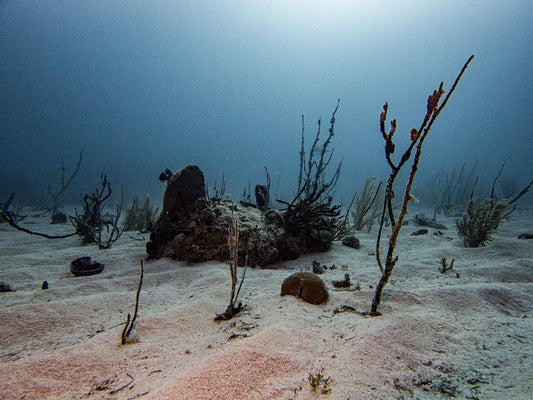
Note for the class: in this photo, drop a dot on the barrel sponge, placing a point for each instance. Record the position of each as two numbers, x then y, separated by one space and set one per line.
306 286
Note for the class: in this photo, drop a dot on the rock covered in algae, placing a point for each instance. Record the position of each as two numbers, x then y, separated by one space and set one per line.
194 228
306 286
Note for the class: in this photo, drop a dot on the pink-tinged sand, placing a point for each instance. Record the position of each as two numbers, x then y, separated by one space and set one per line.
468 332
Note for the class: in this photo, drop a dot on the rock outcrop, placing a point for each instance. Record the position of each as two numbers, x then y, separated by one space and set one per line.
194 229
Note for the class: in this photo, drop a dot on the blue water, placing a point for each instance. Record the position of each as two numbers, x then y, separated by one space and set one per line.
142 86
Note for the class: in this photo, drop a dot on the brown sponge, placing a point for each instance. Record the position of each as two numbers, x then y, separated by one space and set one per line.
306 286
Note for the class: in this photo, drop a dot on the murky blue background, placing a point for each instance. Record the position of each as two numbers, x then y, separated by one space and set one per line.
147 85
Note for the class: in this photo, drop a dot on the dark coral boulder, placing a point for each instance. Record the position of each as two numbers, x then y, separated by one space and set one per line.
185 189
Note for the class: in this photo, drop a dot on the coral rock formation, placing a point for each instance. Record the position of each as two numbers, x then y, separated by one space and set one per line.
194 229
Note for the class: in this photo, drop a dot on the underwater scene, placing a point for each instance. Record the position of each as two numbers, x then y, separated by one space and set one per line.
266 199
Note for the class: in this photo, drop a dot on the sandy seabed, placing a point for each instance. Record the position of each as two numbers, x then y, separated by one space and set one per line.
464 334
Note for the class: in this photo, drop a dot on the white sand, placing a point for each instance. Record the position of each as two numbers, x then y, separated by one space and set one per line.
440 334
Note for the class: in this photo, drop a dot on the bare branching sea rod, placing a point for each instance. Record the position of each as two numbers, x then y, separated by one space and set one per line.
418 136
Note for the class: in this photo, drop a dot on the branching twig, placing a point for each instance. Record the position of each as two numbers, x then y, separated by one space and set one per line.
445 266
11 219
495 179
123 386
130 325
233 244
417 139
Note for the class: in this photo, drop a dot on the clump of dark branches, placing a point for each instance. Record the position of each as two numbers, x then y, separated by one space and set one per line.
8 215
312 207
12 218
91 224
